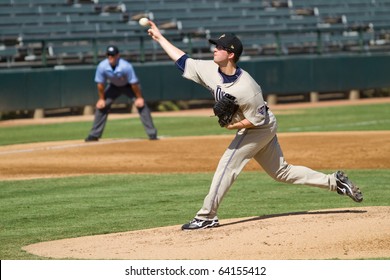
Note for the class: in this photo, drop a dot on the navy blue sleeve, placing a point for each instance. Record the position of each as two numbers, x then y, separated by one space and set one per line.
181 62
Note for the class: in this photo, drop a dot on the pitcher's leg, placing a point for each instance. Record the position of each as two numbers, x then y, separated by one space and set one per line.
272 160
242 149
229 167
147 121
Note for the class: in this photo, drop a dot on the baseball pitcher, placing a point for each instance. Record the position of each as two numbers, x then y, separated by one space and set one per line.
255 123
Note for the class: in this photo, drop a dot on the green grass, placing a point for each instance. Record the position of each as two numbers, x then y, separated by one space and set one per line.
48 209
361 117
345 118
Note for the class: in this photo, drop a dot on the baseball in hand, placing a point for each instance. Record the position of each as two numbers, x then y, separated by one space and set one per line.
144 22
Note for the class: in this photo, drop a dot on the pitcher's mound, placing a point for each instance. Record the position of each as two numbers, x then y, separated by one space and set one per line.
324 234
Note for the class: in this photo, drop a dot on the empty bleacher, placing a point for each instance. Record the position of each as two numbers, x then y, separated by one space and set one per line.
39 33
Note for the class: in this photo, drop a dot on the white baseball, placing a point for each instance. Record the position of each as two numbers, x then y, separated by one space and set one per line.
144 22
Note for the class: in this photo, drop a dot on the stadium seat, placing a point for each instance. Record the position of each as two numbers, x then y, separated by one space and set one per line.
265 27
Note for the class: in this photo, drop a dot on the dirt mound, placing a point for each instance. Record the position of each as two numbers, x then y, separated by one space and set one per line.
323 234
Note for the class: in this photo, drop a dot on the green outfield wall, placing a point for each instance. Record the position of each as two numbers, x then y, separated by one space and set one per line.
51 88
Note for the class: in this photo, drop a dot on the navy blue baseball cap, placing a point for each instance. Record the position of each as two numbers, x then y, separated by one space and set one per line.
112 50
229 42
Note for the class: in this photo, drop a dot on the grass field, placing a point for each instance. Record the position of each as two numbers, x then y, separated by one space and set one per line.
346 118
48 209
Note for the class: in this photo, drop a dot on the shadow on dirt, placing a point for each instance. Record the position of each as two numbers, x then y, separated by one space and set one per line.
325 212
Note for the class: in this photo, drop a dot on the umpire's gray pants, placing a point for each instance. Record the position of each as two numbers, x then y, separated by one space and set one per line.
111 93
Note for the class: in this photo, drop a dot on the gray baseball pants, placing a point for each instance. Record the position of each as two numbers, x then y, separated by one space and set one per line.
262 145
111 93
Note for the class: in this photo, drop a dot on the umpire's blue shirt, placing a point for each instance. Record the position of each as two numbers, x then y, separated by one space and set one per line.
122 75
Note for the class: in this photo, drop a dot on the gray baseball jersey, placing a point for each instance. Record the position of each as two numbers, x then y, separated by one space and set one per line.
260 143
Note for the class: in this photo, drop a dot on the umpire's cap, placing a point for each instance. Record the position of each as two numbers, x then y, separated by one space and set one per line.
229 42
112 50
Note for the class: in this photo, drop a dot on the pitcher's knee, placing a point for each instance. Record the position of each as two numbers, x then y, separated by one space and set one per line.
282 174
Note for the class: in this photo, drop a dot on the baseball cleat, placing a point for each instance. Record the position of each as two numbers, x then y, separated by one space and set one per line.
346 187
199 224
91 138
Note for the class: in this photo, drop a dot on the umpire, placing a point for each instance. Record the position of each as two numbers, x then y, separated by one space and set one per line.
114 77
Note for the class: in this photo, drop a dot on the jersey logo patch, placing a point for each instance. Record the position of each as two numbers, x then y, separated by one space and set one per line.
219 93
